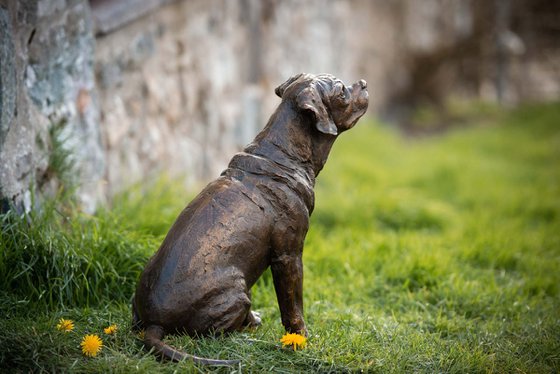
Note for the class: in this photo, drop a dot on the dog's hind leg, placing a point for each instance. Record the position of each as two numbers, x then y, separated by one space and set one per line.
230 312
253 319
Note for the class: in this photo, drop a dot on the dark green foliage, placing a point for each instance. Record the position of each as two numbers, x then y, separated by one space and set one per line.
53 260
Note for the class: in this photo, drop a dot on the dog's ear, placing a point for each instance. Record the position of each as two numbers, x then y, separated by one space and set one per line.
281 88
309 99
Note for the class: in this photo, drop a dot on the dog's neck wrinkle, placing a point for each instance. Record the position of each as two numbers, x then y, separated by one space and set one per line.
321 152
282 142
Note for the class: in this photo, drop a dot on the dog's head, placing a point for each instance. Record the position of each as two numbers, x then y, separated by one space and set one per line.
335 106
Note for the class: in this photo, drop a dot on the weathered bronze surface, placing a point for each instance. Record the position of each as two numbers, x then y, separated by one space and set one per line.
255 215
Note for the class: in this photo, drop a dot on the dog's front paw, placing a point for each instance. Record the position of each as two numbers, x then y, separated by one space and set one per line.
304 332
298 326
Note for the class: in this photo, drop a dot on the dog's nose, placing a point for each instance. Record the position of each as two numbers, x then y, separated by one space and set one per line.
363 84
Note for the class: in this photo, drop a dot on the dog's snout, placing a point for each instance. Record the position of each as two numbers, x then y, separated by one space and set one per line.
362 84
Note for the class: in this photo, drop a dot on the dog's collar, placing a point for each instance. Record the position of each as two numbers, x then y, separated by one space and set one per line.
295 179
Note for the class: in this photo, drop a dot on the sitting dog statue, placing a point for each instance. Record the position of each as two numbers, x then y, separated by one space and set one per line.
255 215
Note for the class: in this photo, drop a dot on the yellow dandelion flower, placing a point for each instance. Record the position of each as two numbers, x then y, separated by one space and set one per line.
65 325
91 345
110 330
295 340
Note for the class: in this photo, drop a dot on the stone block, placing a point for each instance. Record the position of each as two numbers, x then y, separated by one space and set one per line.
8 84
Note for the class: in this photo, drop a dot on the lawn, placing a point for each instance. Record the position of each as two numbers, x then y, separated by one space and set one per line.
425 254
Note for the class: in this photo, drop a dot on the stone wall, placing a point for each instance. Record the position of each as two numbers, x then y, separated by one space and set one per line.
170 92
175 92
131 89
184 88
48 99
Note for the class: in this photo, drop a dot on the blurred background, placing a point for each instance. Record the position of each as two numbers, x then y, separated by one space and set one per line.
103 94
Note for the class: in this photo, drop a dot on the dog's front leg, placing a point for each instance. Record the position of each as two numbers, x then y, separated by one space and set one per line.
287 273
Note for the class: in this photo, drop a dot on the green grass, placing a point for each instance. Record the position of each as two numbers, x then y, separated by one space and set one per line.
50 260
435 254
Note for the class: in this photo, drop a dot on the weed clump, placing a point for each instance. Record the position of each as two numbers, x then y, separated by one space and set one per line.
55 259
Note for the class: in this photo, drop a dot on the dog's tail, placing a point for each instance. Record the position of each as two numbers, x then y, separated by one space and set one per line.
153 339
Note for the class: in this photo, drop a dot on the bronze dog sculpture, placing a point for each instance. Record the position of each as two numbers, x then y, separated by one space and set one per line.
255 215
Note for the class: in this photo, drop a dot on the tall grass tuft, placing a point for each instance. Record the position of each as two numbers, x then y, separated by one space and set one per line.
56 259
